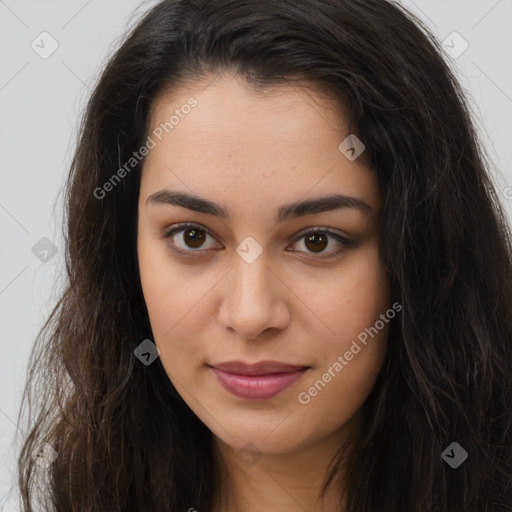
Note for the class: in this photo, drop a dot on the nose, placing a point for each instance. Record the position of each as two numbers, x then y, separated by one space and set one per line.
254 299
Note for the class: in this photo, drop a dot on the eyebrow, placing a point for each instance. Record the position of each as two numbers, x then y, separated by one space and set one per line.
285 211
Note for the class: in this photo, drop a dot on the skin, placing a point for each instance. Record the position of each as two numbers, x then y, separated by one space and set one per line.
252 153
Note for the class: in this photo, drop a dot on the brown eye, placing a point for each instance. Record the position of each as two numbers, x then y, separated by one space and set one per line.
316 242
192 239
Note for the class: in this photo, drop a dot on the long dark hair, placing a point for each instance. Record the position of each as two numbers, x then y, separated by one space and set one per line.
124 438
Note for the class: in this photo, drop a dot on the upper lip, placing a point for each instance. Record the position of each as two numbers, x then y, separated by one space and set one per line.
260 368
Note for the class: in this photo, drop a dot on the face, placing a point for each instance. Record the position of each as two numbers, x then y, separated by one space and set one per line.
242 263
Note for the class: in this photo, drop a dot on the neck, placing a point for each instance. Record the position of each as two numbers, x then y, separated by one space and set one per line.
288 482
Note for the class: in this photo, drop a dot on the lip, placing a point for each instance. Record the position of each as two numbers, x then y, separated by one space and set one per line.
258 381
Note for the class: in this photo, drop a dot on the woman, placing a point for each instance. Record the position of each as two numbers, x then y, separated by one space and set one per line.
289 275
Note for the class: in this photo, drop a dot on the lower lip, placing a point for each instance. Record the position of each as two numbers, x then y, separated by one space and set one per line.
257 387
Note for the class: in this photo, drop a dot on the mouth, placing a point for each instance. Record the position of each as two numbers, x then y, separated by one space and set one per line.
259 381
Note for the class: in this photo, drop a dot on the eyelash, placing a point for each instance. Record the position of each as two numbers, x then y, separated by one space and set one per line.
345 243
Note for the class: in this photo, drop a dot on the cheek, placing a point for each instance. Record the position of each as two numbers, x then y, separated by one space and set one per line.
353 353
157 282
175 298
348 300
351 358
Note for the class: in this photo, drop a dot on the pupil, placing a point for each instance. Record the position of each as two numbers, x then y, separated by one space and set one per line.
196 242
317 246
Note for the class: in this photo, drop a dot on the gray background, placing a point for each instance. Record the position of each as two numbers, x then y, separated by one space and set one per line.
40 104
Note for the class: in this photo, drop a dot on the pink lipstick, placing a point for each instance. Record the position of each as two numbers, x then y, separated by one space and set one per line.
258 381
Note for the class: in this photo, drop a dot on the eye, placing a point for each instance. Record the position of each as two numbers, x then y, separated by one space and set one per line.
316 240
190 241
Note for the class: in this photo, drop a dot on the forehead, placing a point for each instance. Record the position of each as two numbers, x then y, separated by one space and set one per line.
242 142
231 109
